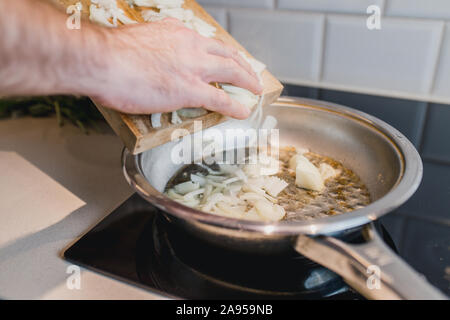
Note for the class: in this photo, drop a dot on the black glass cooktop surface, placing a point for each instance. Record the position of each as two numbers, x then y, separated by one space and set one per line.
136 244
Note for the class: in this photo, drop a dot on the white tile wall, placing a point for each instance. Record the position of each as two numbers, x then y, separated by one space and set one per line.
419 8
346 6
240 3
401 56
289 44
325 43
442 81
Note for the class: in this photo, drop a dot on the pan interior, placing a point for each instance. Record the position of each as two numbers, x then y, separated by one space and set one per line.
355 142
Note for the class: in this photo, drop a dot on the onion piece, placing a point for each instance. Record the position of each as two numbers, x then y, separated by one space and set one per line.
231 180
307 175
175 119
160 4
216 178
228 168
241 175
198 179
203 28
151 16
327 171
274 185
252 215
231 211
211 171
243 96
192 203
192 112
155 119
172 194
207 193
100 16
213 199
251 197
269 211
192 194
215 184
186 187
269 123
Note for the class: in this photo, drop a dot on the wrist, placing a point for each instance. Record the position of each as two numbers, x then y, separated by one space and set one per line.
86 65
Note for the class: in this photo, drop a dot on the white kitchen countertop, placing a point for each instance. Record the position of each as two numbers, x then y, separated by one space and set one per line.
56 184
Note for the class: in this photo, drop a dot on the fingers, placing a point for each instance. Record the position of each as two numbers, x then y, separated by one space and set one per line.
224 70
217 100
217 47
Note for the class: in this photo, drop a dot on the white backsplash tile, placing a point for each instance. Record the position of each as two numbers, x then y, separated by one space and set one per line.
442 80
439 9
341 6
240 3
399 57
290 44
405 59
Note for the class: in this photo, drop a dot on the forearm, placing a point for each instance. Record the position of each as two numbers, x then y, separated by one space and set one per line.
40 55
143 68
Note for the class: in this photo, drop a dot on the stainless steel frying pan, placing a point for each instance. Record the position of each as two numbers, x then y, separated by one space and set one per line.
384 159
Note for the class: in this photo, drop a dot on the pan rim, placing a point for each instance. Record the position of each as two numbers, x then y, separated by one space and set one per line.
405 186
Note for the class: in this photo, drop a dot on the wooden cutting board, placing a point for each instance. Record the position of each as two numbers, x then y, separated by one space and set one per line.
135 130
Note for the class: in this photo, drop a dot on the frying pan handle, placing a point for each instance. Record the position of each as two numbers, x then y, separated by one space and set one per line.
371 268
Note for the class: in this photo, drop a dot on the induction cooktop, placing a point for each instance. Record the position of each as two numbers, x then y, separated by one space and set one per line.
136 244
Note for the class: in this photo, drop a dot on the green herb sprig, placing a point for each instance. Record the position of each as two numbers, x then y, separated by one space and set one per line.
79 111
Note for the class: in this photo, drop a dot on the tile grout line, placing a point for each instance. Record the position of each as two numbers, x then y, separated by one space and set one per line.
436 160
437 60
434 220
422 129
396 94
321 58
383 7
403 228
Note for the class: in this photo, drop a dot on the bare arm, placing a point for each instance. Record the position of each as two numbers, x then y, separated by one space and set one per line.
146 68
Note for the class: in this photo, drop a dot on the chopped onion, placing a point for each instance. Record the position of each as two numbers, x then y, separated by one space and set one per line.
228 168
243 96
192 194
269 123
100 16
155 119
192 112
269 211
231 180
240 174
172 194
107 13
307 175
214 177
160 4
198 179
230 193
213 199
274 185
327 171
186 187
151 16
175 118
203 28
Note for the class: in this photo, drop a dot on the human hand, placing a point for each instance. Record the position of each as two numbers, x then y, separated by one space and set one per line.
164 66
